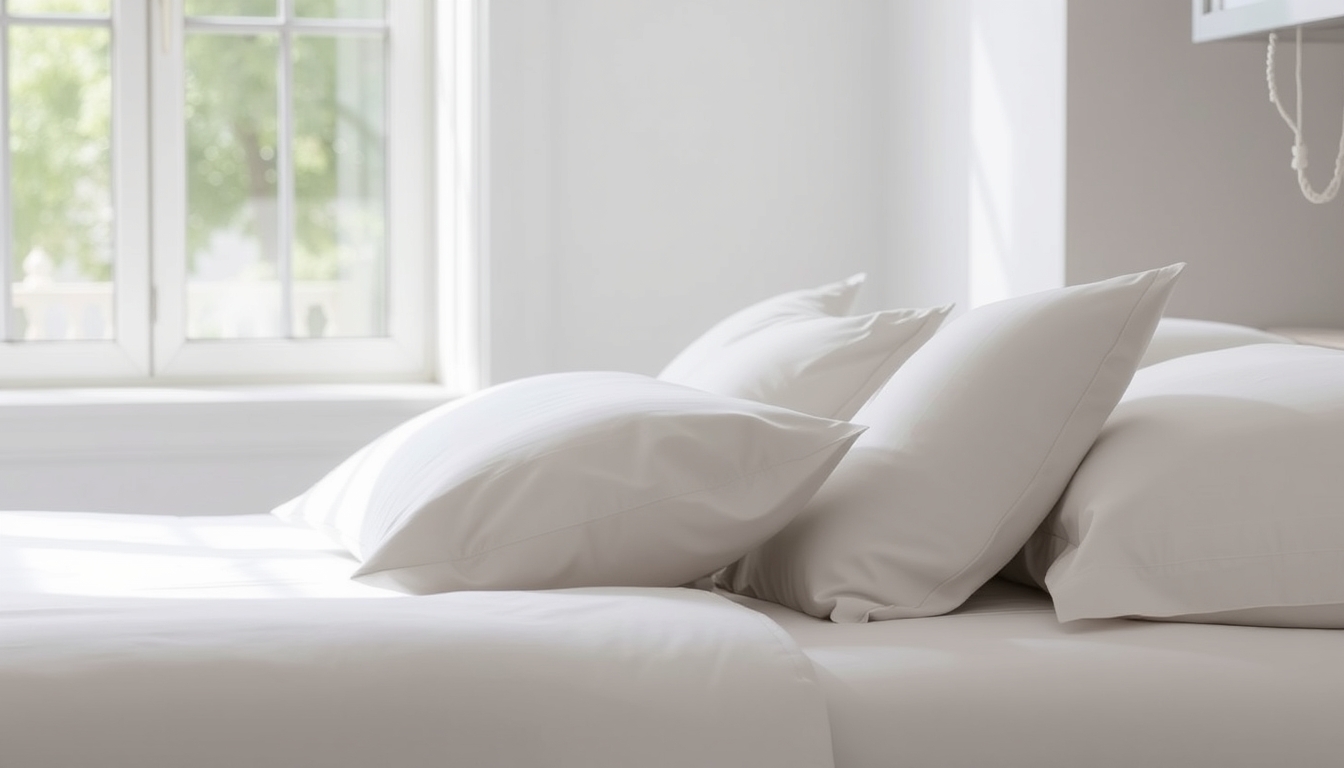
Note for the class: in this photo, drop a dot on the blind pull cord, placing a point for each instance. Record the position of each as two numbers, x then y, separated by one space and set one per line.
1299 163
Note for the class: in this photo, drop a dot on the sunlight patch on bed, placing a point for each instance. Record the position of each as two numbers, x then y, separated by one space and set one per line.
67 571
103 555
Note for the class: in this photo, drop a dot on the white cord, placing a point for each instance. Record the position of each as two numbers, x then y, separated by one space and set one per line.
1300 146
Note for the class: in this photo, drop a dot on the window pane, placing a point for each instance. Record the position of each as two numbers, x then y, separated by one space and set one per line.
340 9
98 7
230 7
60 137
340 173
233 236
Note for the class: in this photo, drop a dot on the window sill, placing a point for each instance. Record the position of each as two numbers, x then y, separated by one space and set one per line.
224 396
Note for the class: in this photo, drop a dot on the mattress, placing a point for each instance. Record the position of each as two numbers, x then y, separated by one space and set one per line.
1001 682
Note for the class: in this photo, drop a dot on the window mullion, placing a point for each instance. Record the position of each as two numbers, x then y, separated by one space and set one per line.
130 43
168 185
285 160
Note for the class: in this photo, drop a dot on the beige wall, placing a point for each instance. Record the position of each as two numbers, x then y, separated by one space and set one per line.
1175 153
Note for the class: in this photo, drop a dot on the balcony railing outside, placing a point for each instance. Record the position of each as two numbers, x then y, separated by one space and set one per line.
46 309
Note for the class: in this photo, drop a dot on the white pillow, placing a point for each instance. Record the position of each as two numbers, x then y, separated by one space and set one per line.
1178 336
799 351
1214 493
570 480
969 446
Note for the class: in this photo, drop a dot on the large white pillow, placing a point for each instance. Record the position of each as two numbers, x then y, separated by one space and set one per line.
1214 493
969 446
800 351
571 480
1179 336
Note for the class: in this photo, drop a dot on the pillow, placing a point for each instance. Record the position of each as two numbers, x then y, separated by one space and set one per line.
571 480
799 351
1214 493
969 446
1176 337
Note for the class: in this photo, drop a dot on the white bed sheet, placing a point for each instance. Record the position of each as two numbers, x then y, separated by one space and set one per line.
1002 683
158 642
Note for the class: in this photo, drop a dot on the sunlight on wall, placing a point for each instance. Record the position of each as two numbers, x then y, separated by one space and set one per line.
991 179
1015 168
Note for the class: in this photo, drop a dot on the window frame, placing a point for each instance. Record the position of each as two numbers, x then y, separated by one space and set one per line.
127 355
150 345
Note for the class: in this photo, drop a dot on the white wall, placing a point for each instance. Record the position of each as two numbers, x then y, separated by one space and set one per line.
519 272
660 164
186 452
1175 153
927 153
959 150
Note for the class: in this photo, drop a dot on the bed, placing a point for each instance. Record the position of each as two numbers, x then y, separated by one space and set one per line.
996 544
242 641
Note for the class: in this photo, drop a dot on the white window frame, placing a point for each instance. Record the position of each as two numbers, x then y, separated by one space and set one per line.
127 356
150 344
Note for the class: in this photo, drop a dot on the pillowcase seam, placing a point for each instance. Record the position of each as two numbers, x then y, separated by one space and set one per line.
1192 561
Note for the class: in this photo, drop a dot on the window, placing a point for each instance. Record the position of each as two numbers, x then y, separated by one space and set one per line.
214 190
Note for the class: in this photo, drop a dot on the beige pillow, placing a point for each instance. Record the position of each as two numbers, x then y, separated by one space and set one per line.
1179 336
969 446
1215 493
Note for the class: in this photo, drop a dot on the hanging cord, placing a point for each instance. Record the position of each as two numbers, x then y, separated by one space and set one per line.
1300 146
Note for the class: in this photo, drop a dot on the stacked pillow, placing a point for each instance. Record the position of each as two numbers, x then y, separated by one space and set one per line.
1212 494
592 479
